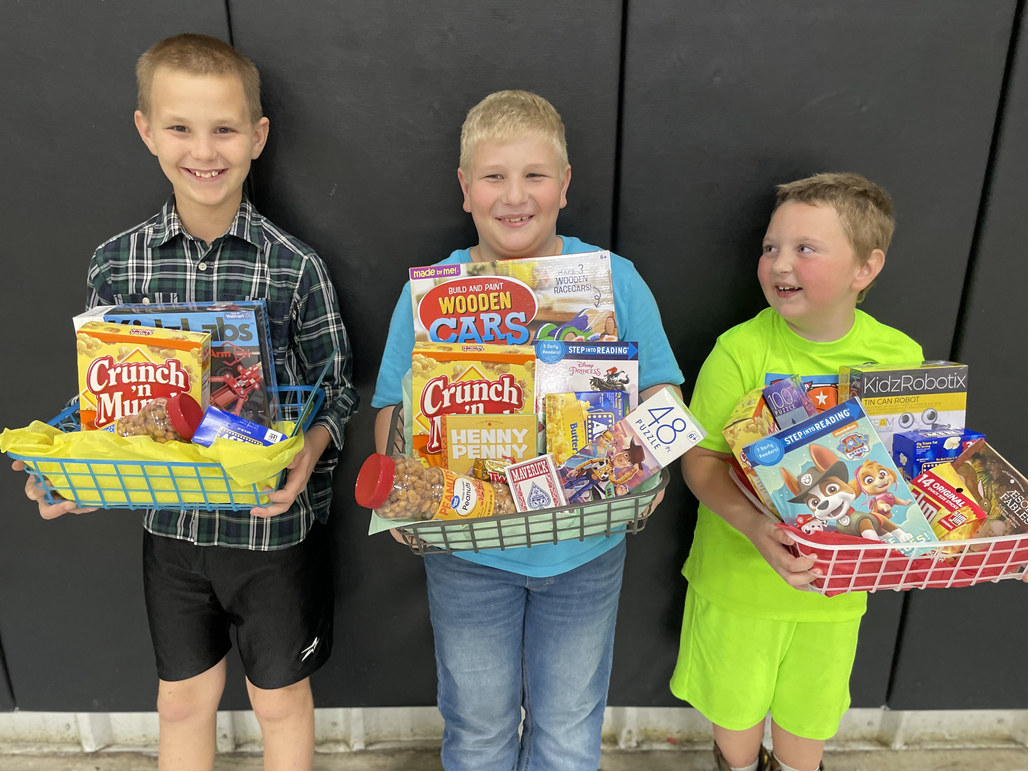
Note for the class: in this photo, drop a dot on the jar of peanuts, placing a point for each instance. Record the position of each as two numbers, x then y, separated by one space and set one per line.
165 419
399 487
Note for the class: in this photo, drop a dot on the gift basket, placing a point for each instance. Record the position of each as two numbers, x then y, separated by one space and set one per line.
882 508
149 432
520 423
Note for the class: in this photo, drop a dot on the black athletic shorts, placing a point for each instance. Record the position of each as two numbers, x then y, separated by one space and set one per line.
281 603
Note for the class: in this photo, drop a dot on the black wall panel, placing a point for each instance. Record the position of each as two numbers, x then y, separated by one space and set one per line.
723 100
75 173
366 103
720 101
993 341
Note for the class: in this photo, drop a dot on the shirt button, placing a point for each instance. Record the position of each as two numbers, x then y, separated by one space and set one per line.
203 266
146 301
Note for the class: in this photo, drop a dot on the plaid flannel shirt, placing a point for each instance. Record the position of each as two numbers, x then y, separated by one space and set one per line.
159 262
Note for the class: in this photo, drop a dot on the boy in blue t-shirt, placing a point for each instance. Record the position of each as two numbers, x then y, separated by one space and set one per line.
527 627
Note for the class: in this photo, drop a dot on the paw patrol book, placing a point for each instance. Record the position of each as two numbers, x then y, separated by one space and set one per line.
832 473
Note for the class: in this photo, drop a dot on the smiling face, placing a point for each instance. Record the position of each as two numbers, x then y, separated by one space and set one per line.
875 479
514 191
830 500
200 129
809 272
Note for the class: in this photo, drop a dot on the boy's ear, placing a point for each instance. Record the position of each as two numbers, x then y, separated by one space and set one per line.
869 270
145 130
466 203
260 137
566 177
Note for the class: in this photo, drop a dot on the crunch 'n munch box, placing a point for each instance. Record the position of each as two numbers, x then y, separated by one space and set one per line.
466 378
123 367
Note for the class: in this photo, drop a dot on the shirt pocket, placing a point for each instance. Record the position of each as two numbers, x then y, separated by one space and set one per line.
135 298
279 326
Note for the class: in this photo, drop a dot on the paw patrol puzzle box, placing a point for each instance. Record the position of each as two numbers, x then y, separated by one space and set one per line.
908 397
564 297
832 473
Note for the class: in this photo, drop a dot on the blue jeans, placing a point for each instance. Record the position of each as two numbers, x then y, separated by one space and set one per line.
505 640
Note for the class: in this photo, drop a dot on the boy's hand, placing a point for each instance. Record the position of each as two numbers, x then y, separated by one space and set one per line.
772 543
316 440
36 493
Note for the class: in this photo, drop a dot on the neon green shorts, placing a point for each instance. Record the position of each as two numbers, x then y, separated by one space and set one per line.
734 669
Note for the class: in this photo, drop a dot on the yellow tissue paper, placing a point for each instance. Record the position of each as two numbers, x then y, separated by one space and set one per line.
105 470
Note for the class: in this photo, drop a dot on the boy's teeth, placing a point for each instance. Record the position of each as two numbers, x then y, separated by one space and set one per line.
515 219
205 175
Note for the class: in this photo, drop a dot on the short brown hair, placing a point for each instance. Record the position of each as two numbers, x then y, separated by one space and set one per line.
507 116
198 55
865 209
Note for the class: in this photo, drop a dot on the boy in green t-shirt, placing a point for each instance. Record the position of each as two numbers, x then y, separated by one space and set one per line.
753 641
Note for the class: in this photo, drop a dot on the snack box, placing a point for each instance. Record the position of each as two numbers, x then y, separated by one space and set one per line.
916 452
123 367
535 484
788 402
750 420
834 474
243 371
997 487
513 302
475 379
574 419
908 397
653 436
467 438
940 493
218 424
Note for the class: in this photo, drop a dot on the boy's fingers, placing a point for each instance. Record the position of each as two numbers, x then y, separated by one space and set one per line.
17 466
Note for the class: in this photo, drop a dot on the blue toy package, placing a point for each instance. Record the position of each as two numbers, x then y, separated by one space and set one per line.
916 452
243 372
832 473
604 410
218 424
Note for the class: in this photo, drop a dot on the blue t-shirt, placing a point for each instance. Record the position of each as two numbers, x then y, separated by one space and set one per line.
637 317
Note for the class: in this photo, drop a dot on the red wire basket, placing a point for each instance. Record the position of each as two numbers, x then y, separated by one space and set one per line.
851 563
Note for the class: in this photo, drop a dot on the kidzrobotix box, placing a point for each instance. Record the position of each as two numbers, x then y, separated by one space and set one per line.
831 473
123 367
653 436
470 379
564 297
908 397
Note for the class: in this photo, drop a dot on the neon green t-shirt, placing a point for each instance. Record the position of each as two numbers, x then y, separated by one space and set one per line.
723 566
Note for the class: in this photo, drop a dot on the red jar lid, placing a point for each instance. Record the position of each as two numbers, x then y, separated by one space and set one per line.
375 481
185 414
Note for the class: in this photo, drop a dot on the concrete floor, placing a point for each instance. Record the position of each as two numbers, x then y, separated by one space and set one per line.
429 759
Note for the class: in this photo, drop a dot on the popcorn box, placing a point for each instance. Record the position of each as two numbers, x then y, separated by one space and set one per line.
562 297
467 438
832 473
653 436
917 452
750 420
575 419
907 397
940 494
535 484
123 367
472 379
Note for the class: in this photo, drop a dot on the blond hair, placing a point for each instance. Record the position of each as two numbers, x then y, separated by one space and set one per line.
198 55
865 210
507 116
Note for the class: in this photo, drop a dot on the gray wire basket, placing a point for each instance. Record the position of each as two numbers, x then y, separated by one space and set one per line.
611 517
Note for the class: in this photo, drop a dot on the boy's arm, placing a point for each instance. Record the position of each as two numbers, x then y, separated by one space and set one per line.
724 377
318 331
705 472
